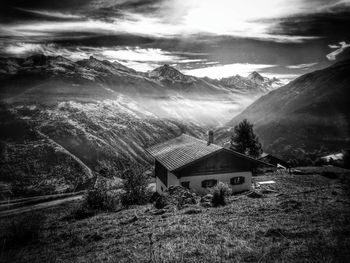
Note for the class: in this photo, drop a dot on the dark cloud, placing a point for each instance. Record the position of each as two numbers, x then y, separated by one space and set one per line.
331 25
228 50
141 6
109 11
13 11
26 15
46 4
97 40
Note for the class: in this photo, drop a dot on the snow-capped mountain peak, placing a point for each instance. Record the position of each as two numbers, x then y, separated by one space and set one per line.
256 77
168 72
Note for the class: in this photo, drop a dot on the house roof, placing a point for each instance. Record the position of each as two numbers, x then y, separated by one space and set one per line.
181 151
269 157
263 155
184 150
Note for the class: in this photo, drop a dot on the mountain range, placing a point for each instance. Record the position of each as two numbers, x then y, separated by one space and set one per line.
164 91
63 121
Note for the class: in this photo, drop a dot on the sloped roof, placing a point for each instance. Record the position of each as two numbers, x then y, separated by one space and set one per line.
181 150
269 157
264 154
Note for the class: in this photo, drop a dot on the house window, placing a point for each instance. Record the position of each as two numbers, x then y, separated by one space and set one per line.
209 183
237 180
186 184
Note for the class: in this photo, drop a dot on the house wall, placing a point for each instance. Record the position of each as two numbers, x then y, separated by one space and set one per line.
196 181
161 173
160 185
172 179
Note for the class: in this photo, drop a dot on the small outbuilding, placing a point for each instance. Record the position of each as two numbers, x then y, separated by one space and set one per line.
197 164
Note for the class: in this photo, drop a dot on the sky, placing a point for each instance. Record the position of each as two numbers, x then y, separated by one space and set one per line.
213 38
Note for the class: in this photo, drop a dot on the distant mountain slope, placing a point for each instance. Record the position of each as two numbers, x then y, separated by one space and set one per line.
310 113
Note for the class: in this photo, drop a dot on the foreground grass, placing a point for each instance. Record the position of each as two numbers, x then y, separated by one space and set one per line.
305 218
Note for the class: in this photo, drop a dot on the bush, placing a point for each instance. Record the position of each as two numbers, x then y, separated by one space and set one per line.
101 198
97 199
21 231
154 196
135 187
161 202
219 192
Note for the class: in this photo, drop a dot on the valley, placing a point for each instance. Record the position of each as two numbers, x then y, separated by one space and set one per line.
78 120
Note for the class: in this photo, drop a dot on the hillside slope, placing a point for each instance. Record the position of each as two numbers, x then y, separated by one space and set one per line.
308 114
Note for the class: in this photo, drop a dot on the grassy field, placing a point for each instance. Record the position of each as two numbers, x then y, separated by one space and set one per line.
301 218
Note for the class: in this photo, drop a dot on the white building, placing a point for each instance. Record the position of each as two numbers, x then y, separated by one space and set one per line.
197 165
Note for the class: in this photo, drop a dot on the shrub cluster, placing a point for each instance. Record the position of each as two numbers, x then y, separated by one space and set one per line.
160 202
97 199
104 197
100 197
135 187
219 192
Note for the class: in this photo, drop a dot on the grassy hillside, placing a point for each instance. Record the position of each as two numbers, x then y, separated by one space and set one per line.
301 218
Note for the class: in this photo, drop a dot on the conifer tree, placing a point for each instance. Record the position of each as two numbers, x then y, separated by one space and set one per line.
245 141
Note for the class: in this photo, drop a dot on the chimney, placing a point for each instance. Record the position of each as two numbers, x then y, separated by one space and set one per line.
210 137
